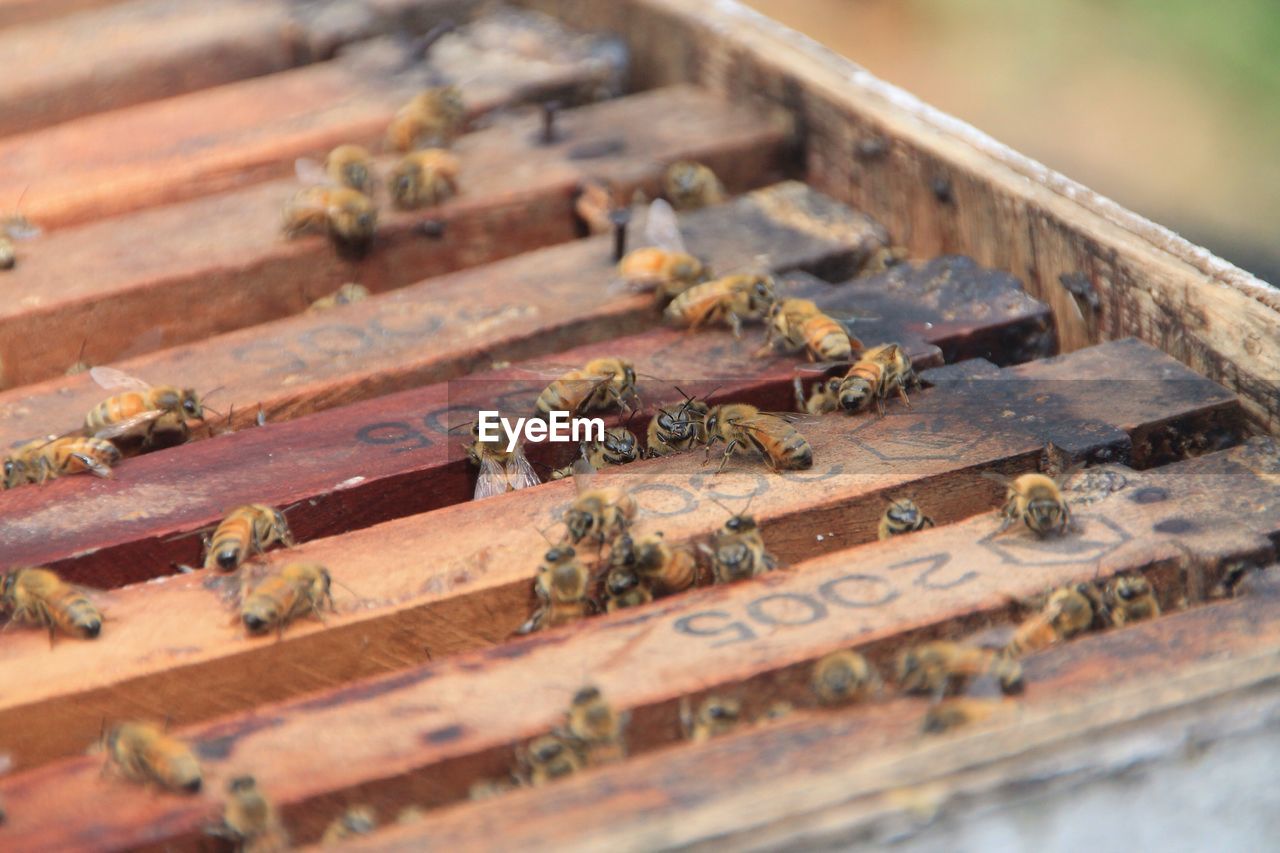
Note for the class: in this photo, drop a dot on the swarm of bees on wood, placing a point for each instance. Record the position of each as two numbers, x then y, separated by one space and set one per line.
605 560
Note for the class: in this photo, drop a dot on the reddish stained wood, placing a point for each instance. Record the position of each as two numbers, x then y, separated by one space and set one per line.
170 635
123 286
865 763
458 323
243 133
422 736
372 461
14 12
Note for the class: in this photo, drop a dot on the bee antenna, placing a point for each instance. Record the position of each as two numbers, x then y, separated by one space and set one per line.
722 506
80 354
453 429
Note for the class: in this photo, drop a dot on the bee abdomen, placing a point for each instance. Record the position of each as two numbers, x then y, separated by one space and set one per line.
82 617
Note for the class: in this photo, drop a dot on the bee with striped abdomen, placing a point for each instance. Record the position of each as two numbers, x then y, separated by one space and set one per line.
902 516
37 596
145 755
48 458
431 119
666 266
730 299
246 530
601 383
424 178
796 324
297 589
690 186
140 408
744 427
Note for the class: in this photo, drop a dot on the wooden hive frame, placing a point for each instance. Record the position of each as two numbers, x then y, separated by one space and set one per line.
415 690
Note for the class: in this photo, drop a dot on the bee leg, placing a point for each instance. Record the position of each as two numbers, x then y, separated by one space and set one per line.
902 393
798 386
926 521
735 324
728 451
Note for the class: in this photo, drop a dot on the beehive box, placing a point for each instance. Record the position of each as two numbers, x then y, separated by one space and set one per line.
1050 327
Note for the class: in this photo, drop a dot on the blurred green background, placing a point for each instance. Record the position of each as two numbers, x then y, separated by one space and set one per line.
1170 107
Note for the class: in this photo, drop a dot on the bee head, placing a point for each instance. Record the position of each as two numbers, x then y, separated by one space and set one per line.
559 554
904 512
1044 516
260 619
722 711
587 695
191 406
15 472
357 175
621 581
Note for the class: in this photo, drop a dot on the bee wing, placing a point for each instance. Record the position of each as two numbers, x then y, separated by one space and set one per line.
492 480
662 229
21 229
310 172
520 474
93 465
584 474
112 379
996 476
118 429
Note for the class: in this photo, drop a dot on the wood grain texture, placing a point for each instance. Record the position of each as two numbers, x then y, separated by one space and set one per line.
458 578
423 735
15 12
123 286
392 456
455 324
940 185
243 133
1106 707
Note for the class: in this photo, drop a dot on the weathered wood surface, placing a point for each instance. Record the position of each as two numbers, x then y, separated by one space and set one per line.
123 286
247 132
15 12
940 185
170 646
392 456
455 324
423 735
128 53
866 776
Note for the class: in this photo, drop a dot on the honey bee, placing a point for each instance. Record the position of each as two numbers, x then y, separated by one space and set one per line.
715 716
432 118
348 294
354 822
679 429
730 299
500 471
1130 598
37 596
249 821
348 216
349 166
561 586
844 676
796 324
741 426
690 186
596 726
619 447
824 396
164 408
1068 611
666 266
549 757
600 384
902 516
625 588
1036 500
663 568
942 668
46 459
144 754
298 589
252 528
737 550
599 514
949 714
14 227
424 178
879 372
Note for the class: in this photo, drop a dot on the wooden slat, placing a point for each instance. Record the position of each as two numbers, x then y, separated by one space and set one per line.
128 53
944 186
391 456
170 635
122 286
15 12
242 133
828 779
424 735
454 324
